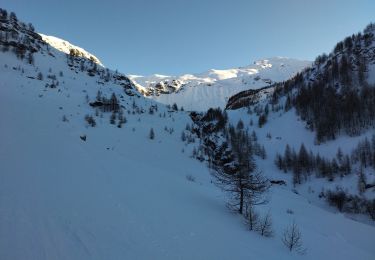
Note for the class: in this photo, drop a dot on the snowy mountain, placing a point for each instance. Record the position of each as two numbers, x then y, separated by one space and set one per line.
67 47
333 96
313 134
317 126
82 177
213 88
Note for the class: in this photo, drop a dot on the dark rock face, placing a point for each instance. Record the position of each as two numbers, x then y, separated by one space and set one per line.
96 104
278 182
246 98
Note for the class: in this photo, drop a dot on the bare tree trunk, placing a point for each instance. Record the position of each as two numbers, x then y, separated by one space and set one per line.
241 200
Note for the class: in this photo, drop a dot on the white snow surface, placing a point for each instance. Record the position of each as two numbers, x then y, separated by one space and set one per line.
120 195
65 46
213 88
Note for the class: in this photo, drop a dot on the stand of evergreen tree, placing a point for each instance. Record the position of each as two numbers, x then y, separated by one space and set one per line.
304 163
334 96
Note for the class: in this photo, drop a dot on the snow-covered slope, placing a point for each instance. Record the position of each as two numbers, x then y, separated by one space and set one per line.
214 87
282 115
67 47
120 195
351 65
72 191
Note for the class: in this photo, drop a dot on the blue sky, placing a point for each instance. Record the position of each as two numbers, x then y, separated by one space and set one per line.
187 36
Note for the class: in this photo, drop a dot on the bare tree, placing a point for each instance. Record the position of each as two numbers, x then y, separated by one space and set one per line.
251 216
240 178
265 226
292 238
361 181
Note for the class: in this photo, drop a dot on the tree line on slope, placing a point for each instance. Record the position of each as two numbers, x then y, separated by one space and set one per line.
334 95
229 152
18 37
303 164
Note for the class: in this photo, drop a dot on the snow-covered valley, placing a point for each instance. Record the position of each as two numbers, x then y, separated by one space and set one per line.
122 195
71 189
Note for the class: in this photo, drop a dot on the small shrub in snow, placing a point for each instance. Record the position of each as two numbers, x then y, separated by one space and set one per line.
112 120
121 119
90 120
370 208
175 107
190 177
361 182
39 76
183 136
262 120
240 125
289 211
264 226
151 134
292 238
151 111
194 153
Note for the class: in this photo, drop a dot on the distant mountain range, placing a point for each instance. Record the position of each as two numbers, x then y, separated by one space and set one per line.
203 90
213 88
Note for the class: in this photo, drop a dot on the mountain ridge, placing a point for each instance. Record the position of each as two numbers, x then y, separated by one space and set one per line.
67 47
212 88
